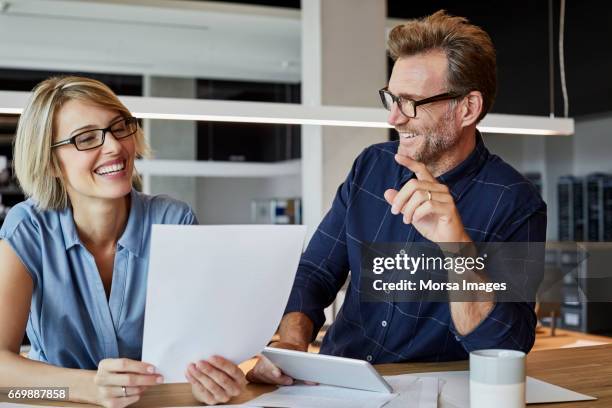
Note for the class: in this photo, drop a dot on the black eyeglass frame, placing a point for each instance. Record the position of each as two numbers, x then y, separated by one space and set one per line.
400 100
72 140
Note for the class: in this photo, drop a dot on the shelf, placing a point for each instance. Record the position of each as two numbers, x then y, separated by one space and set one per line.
10 190
6 139
188 168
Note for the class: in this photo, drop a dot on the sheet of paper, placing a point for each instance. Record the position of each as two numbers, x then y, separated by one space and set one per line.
408 391
221 405
417 392
216 290
317 396
539 392
455 391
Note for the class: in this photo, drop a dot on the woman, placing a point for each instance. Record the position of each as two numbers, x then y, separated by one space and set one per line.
75 254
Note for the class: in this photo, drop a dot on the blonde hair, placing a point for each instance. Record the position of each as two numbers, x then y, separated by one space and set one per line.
34 162
468 48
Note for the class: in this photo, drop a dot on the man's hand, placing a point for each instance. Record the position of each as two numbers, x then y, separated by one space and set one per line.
266 372
427 204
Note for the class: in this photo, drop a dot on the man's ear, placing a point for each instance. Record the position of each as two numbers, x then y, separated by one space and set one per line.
470 108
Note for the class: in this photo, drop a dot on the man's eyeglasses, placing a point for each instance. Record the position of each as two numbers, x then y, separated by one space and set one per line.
408 107
92 138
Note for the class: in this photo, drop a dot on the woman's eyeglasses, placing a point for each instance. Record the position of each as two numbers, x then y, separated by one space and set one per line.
92 138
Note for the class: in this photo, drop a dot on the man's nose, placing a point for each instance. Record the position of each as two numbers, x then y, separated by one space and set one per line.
396 117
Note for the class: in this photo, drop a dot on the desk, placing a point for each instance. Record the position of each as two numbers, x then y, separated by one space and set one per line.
565 339
586 369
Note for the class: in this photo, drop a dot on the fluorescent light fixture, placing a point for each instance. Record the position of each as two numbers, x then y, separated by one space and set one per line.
526 125
297 114
260 119
522 131
205 168
255 112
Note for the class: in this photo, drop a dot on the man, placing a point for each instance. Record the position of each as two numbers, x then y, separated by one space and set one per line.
438 184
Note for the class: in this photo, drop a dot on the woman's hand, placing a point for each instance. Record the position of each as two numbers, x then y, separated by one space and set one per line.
216 380
121 381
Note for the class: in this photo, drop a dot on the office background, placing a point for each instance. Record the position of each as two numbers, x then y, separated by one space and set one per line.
268 51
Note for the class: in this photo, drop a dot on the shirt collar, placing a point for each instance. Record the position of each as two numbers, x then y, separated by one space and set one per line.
71 238
458 177
133 235
131 239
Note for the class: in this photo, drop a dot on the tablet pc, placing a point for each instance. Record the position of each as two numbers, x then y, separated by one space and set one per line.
329 370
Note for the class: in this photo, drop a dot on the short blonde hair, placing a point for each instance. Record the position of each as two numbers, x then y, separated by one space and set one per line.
34 162
471 56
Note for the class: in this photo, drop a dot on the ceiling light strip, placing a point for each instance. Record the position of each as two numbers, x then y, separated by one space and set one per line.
297 114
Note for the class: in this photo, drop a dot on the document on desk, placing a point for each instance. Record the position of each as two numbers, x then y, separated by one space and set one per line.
216 290
414 391
407 392
316 396
222 405
455 390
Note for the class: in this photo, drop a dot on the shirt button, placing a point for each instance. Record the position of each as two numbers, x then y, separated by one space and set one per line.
457 338
369 358
384 323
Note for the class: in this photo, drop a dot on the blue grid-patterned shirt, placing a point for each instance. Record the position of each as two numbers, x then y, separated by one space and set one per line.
496 204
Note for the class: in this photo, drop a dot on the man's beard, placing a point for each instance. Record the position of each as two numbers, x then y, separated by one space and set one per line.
437 140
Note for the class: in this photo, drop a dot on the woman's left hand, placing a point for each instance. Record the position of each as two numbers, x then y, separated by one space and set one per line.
216 380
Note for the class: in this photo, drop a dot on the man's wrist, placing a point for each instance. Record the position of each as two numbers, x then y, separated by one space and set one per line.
289 344
458 249
296 329
463 238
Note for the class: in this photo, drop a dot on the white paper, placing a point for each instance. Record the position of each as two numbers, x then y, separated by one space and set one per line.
417 392
455 391
409 391
317 396
539 392
221 405
216 290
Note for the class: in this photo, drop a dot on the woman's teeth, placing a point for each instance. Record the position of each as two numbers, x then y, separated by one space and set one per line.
110 169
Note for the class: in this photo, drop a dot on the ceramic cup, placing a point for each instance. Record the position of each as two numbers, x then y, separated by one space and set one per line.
497 379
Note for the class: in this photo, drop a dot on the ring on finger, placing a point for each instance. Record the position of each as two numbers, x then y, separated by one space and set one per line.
124 388
428 195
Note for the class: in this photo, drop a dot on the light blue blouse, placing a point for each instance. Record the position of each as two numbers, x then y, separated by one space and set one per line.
71 322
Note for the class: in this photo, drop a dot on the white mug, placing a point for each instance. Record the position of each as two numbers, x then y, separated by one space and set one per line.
497 379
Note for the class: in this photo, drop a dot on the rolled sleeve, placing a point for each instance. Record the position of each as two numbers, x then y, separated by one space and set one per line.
20 233
508 326
189 218
511 325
